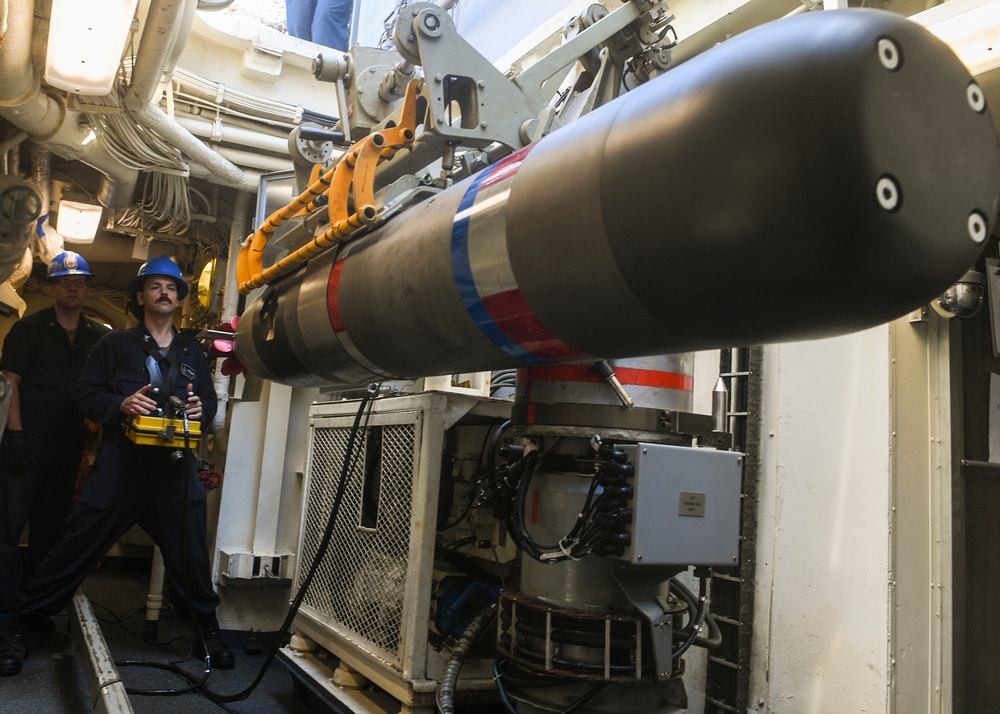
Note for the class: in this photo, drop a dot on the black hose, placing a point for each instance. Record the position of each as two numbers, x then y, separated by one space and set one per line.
714 638
575 706
446 689
195 683
699 620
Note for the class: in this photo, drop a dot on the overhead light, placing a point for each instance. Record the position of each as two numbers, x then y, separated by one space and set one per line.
85 44
78 222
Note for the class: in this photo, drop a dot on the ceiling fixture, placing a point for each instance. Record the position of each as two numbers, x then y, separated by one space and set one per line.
78 222
85 44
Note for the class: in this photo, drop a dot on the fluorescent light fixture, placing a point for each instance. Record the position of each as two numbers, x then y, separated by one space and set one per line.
86 39
78 222
970 27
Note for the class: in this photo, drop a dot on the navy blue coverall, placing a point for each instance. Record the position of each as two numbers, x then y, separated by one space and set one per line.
132 483
38 350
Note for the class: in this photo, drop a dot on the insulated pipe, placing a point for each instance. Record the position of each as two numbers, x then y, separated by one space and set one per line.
249 181
154 49
180 39
230 300
41 171
45 118
159 35
224 133
815 176
254 160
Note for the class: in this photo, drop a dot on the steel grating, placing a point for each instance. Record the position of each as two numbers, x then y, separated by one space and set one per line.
360 582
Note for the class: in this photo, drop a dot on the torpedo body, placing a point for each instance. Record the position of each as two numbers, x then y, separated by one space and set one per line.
815 176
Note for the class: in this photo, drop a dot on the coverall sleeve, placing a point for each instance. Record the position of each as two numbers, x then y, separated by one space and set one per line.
17 349
95 394
205 387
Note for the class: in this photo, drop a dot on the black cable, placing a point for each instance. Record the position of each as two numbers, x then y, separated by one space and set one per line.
575 706
500 688
184 585
477 496
350 458
588 532
445 696
118 619
714 638
699 620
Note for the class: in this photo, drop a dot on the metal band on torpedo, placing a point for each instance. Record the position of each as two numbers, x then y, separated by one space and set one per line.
340 331
626 375
485 277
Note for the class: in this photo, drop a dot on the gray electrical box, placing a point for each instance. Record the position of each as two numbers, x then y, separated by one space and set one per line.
686 505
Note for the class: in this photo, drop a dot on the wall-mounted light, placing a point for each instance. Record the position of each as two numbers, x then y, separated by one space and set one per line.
85 44
78 222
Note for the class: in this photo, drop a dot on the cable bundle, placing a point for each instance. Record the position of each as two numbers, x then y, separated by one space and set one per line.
600 527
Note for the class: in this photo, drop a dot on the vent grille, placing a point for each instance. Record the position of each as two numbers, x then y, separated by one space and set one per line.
360 583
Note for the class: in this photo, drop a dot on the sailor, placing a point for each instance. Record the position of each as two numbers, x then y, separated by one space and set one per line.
42 358
141 371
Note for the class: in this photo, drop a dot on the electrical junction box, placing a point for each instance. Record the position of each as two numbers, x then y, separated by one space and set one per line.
685 505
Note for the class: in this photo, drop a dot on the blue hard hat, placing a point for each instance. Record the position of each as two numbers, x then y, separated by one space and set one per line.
68 263
161 265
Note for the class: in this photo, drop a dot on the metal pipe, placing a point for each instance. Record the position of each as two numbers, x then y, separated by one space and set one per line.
154 597
180 39
227 134
597 241
221 170
249 180
13 142
41 164
159 32
255 160
154 48
15 51
231 298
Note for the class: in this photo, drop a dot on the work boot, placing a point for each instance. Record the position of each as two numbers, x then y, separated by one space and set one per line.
221 656
13 648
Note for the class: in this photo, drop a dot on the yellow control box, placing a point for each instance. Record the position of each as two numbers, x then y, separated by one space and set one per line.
160 431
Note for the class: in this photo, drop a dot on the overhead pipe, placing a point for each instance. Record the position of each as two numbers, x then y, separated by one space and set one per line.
230 297
155 46
46 119
227 134
255 160
249 181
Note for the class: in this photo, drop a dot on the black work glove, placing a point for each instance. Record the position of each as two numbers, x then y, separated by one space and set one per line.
14 456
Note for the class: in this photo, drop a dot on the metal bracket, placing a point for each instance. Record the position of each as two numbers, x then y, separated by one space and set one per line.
640 586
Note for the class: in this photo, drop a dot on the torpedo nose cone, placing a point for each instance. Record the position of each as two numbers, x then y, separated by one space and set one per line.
814 176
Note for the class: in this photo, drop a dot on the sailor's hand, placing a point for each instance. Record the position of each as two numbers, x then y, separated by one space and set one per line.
138 403
193 407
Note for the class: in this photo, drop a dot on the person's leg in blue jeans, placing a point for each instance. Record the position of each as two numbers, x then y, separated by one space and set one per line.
299 18
331 23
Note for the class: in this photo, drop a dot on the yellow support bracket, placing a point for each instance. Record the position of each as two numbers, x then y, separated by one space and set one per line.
355 170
